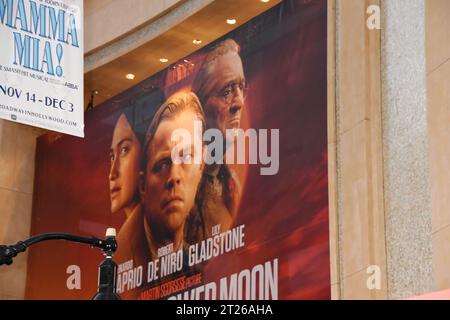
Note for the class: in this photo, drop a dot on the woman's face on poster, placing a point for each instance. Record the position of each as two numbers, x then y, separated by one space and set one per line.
171 187
125 155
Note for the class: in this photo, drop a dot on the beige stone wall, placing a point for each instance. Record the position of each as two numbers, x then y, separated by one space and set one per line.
357 235
438 82
104 20
355 152
17 155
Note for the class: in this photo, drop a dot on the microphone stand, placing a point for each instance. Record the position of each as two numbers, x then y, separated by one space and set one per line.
107 269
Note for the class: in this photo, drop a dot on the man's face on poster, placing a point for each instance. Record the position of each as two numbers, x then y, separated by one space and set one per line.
170 188
125 154
223 107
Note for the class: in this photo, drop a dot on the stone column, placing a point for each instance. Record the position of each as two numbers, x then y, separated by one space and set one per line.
407 197
17 153
357 236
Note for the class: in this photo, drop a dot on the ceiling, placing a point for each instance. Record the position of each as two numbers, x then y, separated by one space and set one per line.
208 24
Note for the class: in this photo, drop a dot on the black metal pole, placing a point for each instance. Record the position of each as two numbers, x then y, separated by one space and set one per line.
107 272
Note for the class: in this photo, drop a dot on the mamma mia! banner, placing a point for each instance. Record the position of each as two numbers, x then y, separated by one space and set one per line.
41 64
213 171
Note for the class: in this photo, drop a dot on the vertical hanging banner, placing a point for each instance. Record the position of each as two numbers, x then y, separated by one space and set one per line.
41 64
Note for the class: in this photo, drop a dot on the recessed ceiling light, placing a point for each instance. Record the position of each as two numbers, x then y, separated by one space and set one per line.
197 41
231 21
164 60
265 1
130 76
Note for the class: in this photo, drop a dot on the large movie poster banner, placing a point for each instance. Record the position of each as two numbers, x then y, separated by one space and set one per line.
213 171
41 64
